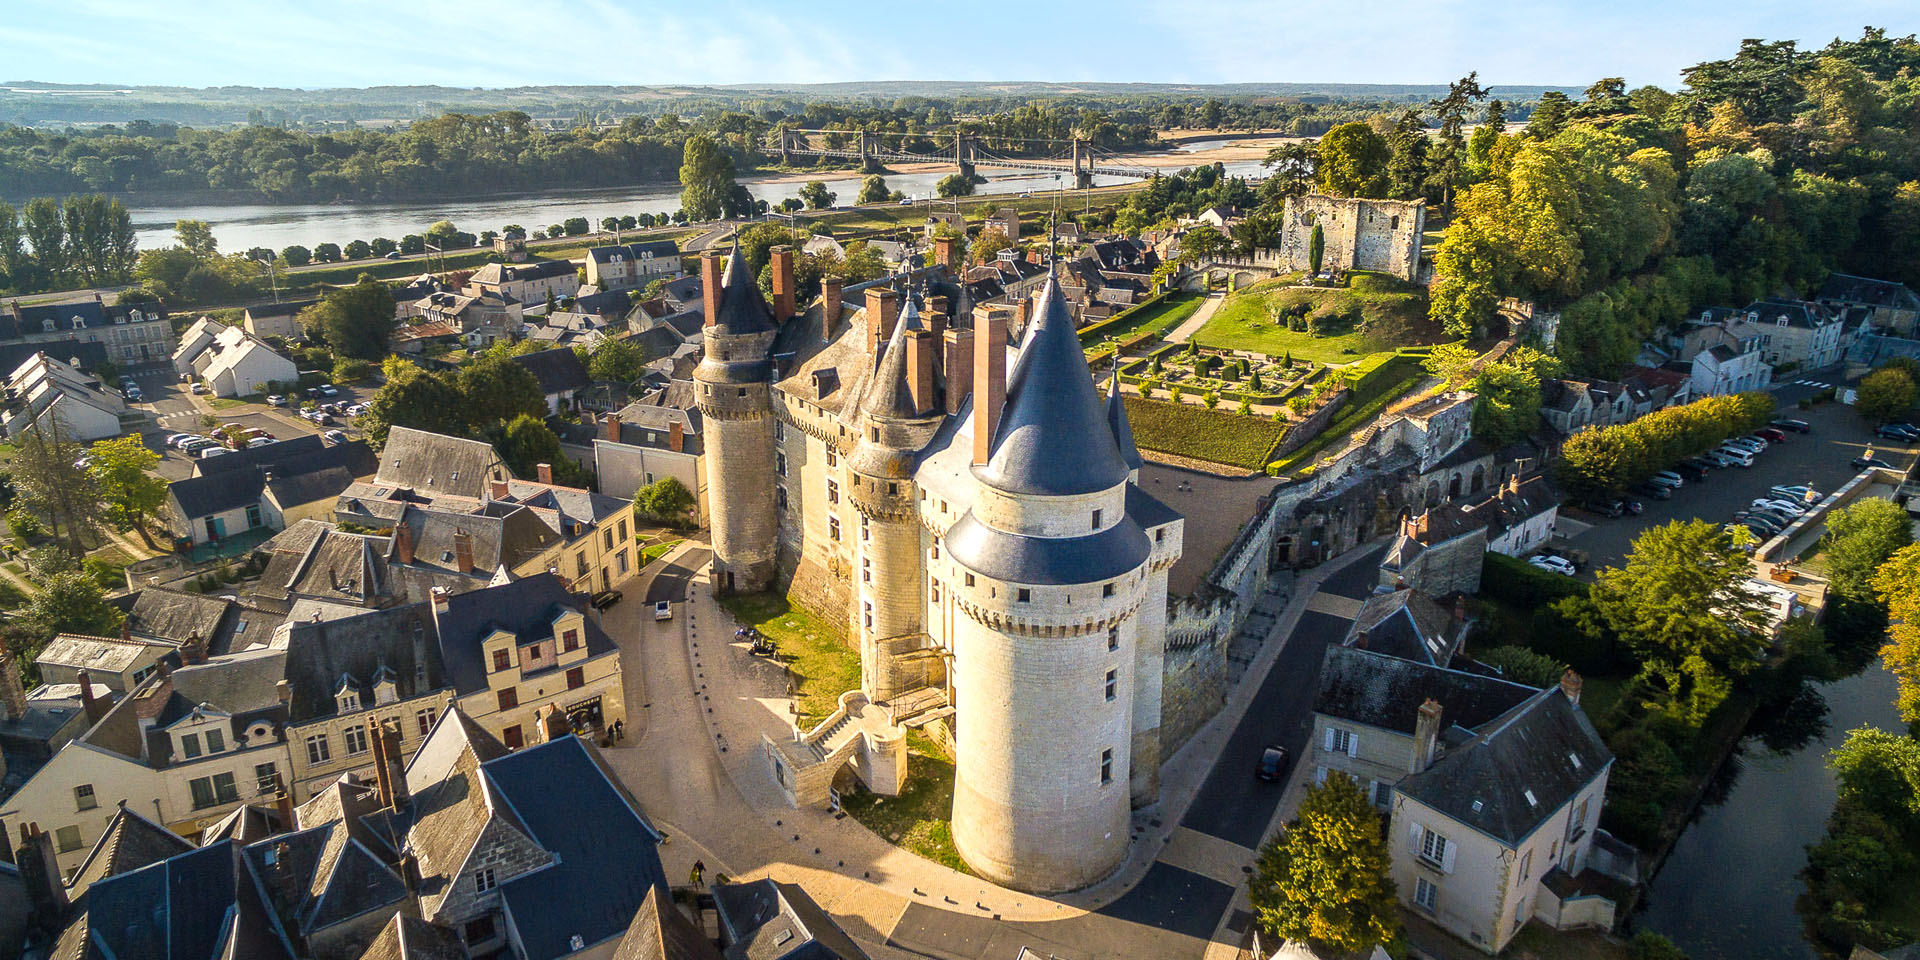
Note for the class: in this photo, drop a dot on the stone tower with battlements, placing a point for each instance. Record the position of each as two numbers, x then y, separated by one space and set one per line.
733 384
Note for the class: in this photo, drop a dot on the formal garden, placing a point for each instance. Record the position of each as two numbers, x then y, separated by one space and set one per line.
1366 313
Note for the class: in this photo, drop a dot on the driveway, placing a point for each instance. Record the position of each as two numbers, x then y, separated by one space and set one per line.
1819 459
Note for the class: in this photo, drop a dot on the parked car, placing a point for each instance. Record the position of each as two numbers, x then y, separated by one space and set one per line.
1692 469
1667 478
214 451
1788 423
174 440
1862 463
1657 491
1753 445
1895 431
1771 435
134 394
1787 507
1740 456
1799 493
334 436
1272 767
663 610
260 442
605 599
1552 564
276 400
328 390
197 388
1720 458
1759 523
1607 508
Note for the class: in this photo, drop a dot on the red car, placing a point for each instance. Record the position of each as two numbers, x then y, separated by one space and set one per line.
1771 435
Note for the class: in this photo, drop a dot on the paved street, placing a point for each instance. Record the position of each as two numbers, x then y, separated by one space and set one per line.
1819 458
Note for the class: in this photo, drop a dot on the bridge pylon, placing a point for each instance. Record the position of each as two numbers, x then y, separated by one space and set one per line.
1082 165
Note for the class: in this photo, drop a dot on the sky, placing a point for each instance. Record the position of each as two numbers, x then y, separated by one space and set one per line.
499 43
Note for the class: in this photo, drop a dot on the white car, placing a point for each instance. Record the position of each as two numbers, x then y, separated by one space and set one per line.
1552 564
1749 444
1781 506
1798 493
329 390
208 453
260 442
1667 478
663 610
276 400
1738 455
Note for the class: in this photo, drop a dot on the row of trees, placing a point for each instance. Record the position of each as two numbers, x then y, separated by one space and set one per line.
48 243
1602 462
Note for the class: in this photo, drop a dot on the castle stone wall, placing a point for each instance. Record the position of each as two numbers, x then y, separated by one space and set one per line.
1379 235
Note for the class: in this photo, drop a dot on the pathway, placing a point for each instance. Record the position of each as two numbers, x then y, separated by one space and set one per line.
1171 898
1192 324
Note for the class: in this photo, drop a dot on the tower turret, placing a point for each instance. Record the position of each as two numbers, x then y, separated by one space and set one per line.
1055 570
733 388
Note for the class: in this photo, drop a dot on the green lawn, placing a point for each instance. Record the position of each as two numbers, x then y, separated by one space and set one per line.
655 551
1374 313
919 819
1217 436
1372 396
228 403
815 652
1161 316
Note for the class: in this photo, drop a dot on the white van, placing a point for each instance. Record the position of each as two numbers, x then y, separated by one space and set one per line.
1737 455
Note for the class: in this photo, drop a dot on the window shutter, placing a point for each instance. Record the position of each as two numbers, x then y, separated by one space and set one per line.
1329 738
1446 857
1414 832
1353 745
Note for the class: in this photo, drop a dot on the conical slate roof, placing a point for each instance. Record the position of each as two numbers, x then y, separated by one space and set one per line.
891 397
742 309
1117 419
1054 439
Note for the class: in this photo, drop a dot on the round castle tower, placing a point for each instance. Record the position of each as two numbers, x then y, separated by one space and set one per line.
1046 663
887 584
734 392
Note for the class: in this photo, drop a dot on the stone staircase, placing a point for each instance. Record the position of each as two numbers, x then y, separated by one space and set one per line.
859 733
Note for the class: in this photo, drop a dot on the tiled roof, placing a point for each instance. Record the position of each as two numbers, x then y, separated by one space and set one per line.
438 465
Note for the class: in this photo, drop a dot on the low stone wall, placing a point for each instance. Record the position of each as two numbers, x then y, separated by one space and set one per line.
1299 434
1192 691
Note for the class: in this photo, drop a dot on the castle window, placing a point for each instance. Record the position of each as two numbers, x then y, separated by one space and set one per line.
1106 766
866 532
1025 595
780 497
1096 519
935 587
833 459
934 554
873 433
779 430
780 464
969 579
1113 638
1393 223
866 566
1113 684
893 489
1106 590
867 613
741 392
1159 536
833 528
833 492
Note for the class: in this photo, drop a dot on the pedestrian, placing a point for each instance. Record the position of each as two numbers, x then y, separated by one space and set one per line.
699 868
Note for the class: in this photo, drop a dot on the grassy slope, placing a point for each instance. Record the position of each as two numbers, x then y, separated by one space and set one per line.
919 819
1193 431
815 652
1162 316
1245 321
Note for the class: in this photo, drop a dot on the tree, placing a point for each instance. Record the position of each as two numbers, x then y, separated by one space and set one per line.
43 225
494 389
986 247
1202 244
954 185
412 397
358 250
526 441
1550 116
297 256
816 195
873 190
71 602
1316 249
381 246
1897 583
1881 772
1325 879
666 499
1352 162
196 237
621 361
1407 159
326 252
1682 604
706 177
1522 665
356 321
1885 394
1860 537
1448 160
122 469
1452 363
47 477
1485 136
1292 165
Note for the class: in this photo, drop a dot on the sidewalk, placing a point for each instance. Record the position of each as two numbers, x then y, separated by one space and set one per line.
1192 324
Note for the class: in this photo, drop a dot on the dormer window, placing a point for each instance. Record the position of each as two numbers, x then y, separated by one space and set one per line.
348 702
79 324
47 324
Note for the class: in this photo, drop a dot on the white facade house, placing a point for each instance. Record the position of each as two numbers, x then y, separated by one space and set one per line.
231 361
632 265
1806 335
43 389
1725 369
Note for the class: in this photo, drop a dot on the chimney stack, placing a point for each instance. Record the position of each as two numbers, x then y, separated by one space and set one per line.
439 595
710 267
939 308
403 540
782 283
40 874
1022 308
126 629
1426 735
958 364
463 551
989 383
94 707
920 347
1460 608
883 307
676 436
1361 638
610 427
283 691
496 489
283 802
193 650
13 695
544 471
943 253
830 306
1570 686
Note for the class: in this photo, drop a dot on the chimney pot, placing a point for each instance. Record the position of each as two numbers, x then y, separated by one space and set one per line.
283 691
989 382
1570 684
497 489
710 275
544 471
126 628
1361 638
920 347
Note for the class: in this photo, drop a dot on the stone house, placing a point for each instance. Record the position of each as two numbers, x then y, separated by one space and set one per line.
43 389
275 319
650 440
265 487
1006 220
1717 360
1805 335
514 650
1497 823
632 265
119 663
1889 307
525 282
132 334
482 320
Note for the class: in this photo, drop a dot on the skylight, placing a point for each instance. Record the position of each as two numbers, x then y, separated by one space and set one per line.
1531 802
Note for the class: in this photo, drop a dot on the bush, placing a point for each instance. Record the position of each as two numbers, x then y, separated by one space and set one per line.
25 525
350 370
1647 945
1517 583
1522 665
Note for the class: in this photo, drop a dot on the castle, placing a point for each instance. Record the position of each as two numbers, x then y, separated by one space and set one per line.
972 511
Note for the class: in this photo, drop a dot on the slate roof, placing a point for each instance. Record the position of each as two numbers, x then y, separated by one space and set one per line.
176 615
1409 625
101 655
1117 421
284 308
559 370
411 938
18 320
524 608
1545 746
193 905
606 856
1847 288
768 920
437 465
742 309
323 875
304 465
130 842
1053 438
891 398
1047 561
1384 691
502 534
1797 313
659 931
396 643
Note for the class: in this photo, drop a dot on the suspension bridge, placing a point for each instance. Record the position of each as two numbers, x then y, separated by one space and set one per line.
1077 157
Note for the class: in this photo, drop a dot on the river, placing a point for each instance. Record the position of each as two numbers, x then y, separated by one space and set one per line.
239 226
1727 891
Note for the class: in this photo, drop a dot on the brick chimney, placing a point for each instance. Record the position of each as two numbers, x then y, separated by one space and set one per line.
193 650
1426 736
1361 638
40 874
920 348
1460 608
94 707
544 471
610 427
710 271
939 308
396 764
403 540
943 253
463 551
958 363
126 629
676 436
782 260
283 802
13 696
382 770
1570 686
989 383
830 306
439 595
1022 308
883 308
283 691
497 489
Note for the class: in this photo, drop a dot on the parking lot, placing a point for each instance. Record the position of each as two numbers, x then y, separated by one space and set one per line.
175 412
1819 459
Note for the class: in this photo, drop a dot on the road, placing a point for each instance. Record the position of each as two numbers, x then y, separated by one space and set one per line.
1819 459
